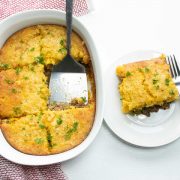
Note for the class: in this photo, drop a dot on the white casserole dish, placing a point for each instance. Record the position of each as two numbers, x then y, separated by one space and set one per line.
28 18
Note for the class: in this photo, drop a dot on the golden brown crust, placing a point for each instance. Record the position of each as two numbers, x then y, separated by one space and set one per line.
49 132
23 91
145 84
47 41
30 127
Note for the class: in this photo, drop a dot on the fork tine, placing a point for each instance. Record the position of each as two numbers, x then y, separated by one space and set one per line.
174 67
169 62
176 64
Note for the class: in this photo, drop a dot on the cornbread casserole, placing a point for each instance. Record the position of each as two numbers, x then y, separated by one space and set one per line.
146 85
28 122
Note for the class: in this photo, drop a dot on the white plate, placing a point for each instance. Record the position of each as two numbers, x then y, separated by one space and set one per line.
161 128
29 18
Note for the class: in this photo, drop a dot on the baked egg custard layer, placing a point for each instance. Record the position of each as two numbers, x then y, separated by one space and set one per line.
146 84
29 123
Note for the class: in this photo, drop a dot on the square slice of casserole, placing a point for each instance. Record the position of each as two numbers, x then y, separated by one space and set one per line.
23 91
146 84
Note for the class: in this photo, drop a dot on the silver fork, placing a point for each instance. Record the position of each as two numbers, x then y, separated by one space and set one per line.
174 69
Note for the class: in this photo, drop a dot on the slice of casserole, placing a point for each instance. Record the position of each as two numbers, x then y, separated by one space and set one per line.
23 91
146 84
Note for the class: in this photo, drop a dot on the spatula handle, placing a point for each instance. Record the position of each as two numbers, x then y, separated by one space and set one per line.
69 9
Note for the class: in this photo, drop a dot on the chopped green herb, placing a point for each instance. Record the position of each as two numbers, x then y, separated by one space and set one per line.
156 74
71 131
18 70
128 74
157 87
17 110
38 140
14 90
147 69
9 81
140 70
31 67
25 78
32 49
39 59
39 117
155 81
42 126
167 81
62 41
83 99
59 121
4 66
62 50
49 137
171 92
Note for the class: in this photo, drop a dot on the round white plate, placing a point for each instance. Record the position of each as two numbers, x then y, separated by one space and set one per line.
159 129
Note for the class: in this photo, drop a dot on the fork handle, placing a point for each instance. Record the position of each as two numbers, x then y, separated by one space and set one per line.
69 8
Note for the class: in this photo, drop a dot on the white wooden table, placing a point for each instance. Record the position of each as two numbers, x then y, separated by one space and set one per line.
119 27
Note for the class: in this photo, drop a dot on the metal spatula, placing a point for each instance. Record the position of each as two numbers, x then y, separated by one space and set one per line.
68 79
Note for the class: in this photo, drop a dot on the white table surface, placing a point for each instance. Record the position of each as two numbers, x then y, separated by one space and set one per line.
119 27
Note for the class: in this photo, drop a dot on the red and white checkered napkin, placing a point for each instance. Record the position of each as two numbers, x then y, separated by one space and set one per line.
9 170
8 7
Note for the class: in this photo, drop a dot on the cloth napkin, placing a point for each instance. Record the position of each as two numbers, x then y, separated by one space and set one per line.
8 7
9 170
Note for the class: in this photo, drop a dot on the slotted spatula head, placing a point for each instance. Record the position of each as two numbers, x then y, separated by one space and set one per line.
68 80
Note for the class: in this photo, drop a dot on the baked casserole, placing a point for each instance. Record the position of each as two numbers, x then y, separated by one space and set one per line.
146 86
28 122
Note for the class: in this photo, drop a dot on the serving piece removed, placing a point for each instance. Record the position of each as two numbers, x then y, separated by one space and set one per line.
146 86
29 123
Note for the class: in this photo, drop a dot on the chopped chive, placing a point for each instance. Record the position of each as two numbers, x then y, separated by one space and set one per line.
62 42
167 81
128 74
38 140
4 66
25 78
14 90
171 92
49 137
42 126
83 99
59 121
62 50
147 69
32 49
18 70
155 81
9 81
71 131
17 110
39 59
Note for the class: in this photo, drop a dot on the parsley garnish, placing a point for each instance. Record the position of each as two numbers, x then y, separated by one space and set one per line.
18 70
167 81
128 74
147 69
59 121
39 59
155 81
25 78
38 140
14 91
83 99
4 66
17 110
171 92
42 126
71 131
9 81
32 49
62 50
